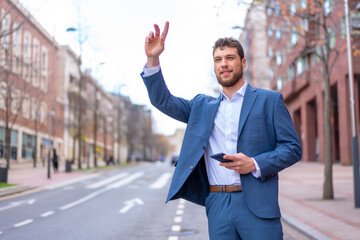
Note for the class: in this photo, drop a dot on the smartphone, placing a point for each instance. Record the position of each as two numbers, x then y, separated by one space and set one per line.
219 157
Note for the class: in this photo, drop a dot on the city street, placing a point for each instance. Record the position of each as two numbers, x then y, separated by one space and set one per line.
123 204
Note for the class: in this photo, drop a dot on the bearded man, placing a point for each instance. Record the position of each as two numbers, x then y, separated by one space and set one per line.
248 129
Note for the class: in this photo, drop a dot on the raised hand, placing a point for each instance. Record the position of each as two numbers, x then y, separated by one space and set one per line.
155 45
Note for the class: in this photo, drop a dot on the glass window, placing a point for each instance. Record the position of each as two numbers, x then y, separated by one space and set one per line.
313 59
299 67
14 138
291 72
332 41
328 6
270 32
278 58
2 134
305 24
278 34
279 84
28 146
293 8
303 4
294 37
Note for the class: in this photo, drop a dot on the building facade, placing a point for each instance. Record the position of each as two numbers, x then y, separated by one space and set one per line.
27 83
47 102
301 35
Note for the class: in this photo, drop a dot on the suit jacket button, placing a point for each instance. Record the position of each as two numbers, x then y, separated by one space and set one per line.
204 147
191 167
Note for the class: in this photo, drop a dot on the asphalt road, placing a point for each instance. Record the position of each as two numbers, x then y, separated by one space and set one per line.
124 204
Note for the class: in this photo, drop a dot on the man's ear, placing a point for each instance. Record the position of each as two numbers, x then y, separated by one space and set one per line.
243 61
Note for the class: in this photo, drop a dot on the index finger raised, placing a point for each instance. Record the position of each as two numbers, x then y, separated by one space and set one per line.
166 29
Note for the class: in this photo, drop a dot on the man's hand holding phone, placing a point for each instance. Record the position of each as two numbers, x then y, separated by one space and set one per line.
239 162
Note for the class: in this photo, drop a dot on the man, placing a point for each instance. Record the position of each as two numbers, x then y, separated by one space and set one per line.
251 126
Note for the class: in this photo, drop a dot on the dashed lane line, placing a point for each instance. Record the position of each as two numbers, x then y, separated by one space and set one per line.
46 214
20 224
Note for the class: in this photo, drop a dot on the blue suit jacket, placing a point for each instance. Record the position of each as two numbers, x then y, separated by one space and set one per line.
266 133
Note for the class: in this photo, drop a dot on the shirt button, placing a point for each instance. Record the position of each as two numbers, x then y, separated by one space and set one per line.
191 167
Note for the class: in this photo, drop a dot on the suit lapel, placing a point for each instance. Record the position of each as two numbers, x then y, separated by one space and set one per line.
248 102
212 109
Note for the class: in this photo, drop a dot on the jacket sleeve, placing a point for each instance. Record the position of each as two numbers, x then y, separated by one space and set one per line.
288 150
161 98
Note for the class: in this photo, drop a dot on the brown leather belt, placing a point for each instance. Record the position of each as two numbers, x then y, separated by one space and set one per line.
225 188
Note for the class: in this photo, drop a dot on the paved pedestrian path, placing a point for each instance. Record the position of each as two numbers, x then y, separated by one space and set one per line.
301 202
300 197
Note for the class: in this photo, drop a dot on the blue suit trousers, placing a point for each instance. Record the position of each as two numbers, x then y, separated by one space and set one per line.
230 219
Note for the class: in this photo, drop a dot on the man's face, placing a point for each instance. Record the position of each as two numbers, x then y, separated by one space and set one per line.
228 66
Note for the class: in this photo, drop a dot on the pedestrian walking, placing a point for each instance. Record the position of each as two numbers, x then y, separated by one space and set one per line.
250 131
55 161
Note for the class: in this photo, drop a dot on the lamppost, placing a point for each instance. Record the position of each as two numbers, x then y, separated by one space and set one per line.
355 146
79 118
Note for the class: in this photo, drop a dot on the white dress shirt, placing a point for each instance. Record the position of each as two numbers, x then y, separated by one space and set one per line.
223 136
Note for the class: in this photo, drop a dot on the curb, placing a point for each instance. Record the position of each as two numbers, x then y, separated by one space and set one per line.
304 228
14 189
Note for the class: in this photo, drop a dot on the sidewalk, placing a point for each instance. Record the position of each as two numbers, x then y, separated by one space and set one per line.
301 204
299 197
27 177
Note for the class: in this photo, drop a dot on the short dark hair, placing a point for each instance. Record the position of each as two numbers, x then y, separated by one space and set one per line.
229 42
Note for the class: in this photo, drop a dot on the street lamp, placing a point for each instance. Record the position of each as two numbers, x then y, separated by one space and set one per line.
355 146
80 41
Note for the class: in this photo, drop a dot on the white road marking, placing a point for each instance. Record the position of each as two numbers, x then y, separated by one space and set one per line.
179 212
46 214
173 238
82 200
178 219
18 203
162 181
176 228
109 187
106 181
23 223
125 181
131 203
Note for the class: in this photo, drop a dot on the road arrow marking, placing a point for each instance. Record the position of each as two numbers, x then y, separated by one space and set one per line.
15 204
131 203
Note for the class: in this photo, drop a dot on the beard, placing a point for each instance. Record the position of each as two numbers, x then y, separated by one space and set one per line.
231 82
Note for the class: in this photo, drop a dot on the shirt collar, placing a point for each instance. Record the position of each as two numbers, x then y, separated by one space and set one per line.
240 92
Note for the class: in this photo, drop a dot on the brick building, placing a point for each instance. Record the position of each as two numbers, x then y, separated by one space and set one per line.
27 83
294 44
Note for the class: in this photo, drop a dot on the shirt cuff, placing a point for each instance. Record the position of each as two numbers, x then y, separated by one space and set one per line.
257 172
150 71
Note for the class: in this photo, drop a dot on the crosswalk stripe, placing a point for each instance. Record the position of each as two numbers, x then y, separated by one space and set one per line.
125 181
106 181
162 181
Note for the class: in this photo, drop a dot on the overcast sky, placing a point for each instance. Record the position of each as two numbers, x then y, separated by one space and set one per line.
115 31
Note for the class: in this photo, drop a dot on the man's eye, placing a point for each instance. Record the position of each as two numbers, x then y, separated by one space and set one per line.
217 60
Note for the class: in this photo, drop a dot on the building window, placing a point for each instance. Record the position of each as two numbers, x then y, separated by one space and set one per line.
279 84
278 58
13 144
2 95
27 56
291 72
303 4
15 101
328 6
36 63
28 146
43 112
332 40
278 34
301 65
294 37
270 32
293 8
44 69
16 64
313 59
26 106
305 24
270 51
